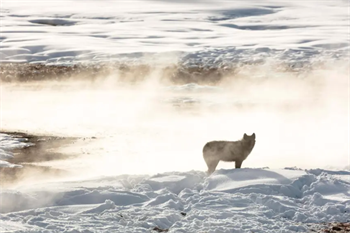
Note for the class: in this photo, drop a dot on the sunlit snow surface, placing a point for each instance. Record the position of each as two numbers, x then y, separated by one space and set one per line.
245 200
204 31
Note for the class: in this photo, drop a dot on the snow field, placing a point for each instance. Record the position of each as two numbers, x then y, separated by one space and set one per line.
201 32
244 200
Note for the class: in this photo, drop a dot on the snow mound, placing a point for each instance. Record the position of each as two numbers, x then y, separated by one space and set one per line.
246 179
237 200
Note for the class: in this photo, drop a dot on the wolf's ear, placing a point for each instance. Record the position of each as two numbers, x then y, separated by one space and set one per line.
253 135
245 135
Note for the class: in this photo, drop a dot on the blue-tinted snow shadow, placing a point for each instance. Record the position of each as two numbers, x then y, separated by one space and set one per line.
252 174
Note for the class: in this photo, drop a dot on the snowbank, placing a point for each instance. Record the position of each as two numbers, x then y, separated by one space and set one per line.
244 200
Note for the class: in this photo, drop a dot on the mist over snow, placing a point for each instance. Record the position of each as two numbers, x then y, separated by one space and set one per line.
149 127
136 162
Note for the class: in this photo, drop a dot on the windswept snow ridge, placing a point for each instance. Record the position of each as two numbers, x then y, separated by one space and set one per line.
244 200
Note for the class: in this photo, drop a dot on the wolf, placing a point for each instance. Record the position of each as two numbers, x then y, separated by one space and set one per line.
228 151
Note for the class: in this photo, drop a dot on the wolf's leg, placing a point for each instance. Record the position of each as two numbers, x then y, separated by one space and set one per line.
212 166
238 163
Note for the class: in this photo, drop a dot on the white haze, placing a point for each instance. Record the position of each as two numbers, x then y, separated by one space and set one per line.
299 121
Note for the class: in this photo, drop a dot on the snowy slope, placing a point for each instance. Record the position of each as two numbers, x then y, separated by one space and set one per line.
245 200
71 31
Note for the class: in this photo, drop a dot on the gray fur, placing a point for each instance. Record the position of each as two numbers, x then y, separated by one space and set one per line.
228 151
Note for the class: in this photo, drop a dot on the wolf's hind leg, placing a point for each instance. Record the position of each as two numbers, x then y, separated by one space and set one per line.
238 164
212 165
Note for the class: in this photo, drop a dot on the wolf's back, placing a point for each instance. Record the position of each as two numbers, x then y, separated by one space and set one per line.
222 150
215 146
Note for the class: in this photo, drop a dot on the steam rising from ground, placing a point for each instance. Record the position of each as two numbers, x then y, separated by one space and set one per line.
300 119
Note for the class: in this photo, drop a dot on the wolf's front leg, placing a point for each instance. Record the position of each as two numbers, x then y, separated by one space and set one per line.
238 164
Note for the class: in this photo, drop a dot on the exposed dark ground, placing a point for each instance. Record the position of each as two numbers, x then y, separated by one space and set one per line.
12 72
335 227
175 74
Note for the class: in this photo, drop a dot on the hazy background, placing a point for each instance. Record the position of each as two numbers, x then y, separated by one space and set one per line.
150 127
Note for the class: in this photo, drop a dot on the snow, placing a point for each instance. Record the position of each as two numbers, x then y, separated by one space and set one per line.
90 31
144 167
230 200
8 143
234 200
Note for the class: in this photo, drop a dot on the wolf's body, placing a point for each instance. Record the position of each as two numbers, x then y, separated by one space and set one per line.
228 151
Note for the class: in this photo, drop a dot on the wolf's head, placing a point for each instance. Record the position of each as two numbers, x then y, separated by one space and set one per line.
249 138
